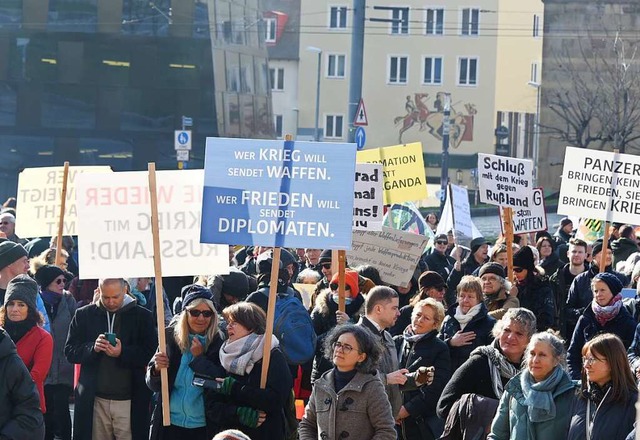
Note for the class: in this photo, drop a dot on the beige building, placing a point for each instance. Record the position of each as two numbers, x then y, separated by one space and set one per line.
485 54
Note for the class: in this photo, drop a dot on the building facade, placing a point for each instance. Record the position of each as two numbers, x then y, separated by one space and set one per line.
107 82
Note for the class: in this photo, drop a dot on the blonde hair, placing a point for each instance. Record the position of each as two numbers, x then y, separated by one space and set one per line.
181 329
436 306
48 256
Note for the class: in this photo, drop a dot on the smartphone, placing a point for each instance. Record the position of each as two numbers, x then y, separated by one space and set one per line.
206 383
111 337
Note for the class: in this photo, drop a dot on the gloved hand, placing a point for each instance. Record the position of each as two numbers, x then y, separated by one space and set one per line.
247 416
226 386
424 376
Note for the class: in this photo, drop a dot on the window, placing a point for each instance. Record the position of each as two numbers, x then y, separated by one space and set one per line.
536 25
271 30
335 66
435 21
398 69
276 76
333 126
432 71
467 71
400 25
338 17
470 21
534 72
277 122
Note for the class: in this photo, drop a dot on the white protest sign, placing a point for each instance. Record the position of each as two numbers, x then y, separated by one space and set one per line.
462 226
367 198
505 181
39 192
531 219
114 227
600 185
394 253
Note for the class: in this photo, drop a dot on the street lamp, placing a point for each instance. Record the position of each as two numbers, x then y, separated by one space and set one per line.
536 133
316 135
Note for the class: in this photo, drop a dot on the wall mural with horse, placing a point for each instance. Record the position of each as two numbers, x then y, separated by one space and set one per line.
431 118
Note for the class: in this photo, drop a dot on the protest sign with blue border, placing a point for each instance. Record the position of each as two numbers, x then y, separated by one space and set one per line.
278 193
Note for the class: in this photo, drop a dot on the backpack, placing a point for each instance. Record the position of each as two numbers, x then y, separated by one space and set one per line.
293 327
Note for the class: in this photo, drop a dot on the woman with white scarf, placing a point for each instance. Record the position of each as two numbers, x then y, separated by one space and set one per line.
467 324
239 402
536 403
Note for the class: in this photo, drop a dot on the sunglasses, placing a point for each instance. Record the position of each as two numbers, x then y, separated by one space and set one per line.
442 242
60 281
518 269
326 265
195 313
335 287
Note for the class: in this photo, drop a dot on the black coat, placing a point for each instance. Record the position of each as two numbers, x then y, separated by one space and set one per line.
440 263
481 324
20 415
403 321
205 365
421 403
537 296
560 283
221 410
138 336
613 421
467 267
623 326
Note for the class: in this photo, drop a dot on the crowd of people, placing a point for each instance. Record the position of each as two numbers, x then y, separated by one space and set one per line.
460 352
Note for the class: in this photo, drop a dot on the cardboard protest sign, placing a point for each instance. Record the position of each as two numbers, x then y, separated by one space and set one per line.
114 226
367 197
39 200
278 193
505 181
462 225
531 219
394 253
600 185
402 169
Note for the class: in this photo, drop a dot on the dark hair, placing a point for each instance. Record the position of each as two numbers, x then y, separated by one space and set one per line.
248 315
370 272
367 343
377 295
542 240
627 231
578 242
33 315
610 347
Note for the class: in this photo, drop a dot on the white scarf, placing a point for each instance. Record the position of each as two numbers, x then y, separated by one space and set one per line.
239 357
465 318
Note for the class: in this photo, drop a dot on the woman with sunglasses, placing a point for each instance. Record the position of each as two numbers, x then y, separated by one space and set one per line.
430 285
239 402
349 401
60 307
605 407
533 288
193 344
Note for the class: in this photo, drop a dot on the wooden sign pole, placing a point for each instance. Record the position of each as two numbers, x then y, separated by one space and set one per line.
602 263
508 230
63 202
342 258
157 265
271 312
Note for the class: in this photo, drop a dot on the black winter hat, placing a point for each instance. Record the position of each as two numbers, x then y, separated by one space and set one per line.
191 292
493 268
596 248
477 242
265 261
612 281
10 252
565 221
22 288
430 279
46 274
235 284
325 256
524 258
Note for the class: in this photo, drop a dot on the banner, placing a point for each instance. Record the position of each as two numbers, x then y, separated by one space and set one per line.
402 169
278 193
505 181
531 219
462 225
114 227
394 253
367 197
600 185
39 198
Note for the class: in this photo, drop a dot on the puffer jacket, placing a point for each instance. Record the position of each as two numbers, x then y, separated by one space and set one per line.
360 411
512 419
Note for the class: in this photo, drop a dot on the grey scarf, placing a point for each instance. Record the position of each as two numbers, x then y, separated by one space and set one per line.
499 366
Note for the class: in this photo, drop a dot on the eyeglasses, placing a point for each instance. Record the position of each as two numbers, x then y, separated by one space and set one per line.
60 281
589 360
345 348
442 242
195 313
334 287
326 265
518 269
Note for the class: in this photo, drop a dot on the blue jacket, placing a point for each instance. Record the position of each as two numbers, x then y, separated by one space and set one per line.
612 421
512 419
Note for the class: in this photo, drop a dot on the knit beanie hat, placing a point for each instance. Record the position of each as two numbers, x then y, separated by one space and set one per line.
430 279
612 281
235 284
46 274
476 243
596 248
192 292
22 288
524 258
350 279
565 221
325 256
10 252
493 268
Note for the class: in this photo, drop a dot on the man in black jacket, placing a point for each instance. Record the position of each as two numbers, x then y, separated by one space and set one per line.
20 415
437 261
478 256
113 340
